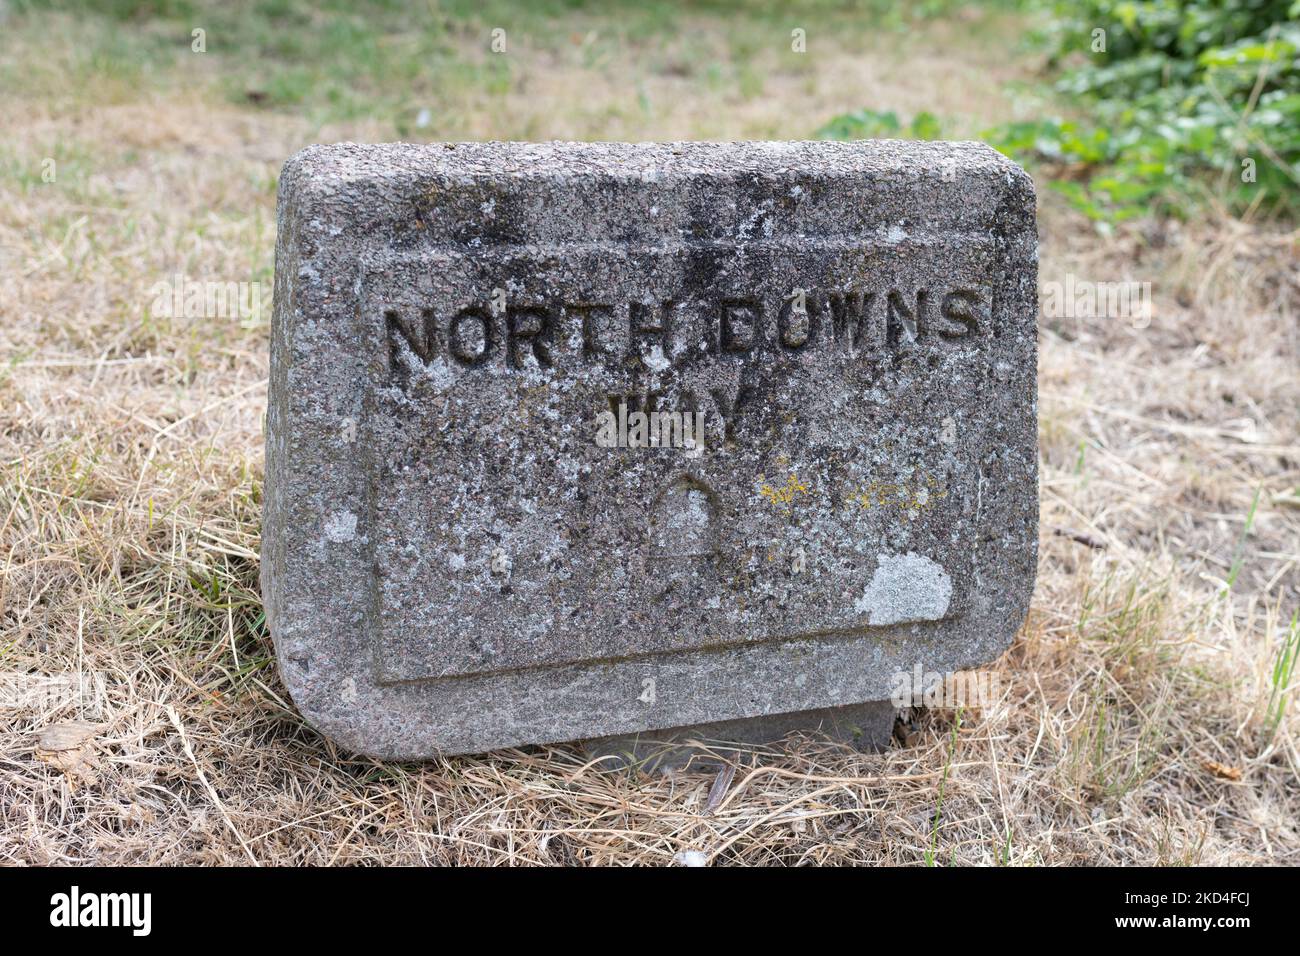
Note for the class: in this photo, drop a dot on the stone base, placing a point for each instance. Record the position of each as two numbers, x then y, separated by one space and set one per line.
866 727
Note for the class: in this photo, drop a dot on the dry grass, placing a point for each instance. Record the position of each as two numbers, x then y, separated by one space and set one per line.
129 521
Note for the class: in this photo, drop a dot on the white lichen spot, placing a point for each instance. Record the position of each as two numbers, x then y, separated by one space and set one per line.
439 372
341 526
905 587
456 562
895 234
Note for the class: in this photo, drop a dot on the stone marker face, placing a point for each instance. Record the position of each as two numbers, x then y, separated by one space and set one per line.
573 440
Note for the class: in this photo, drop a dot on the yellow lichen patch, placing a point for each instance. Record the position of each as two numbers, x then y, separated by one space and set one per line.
914 494
783 497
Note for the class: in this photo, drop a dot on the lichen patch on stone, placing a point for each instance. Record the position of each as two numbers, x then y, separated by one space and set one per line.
906 587
341 526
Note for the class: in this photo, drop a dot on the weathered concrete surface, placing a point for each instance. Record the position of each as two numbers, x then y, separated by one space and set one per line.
867 727
452 562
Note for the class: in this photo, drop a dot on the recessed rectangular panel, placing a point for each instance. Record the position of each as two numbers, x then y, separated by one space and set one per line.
808 458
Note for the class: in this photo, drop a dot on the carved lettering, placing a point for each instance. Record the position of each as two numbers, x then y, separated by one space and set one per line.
469 339
525 325
738 325
869 325
650 333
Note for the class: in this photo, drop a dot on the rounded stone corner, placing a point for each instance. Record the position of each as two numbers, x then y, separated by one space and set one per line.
350 718
1020 187
311 155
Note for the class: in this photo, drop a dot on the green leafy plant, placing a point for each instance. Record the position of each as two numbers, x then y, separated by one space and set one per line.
1176 104
1181 101
1283 671
873 124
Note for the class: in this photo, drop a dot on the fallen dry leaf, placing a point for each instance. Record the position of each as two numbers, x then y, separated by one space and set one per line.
1220 770
69 735
69 747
